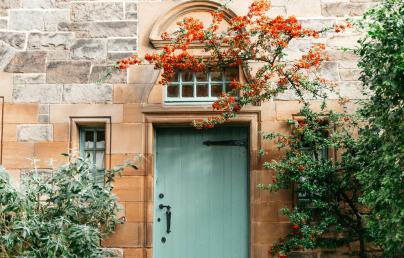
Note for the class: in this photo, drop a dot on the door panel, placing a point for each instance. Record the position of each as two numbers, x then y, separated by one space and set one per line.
207 189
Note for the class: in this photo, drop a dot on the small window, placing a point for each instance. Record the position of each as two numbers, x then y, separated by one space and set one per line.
320 155
92 147
188 86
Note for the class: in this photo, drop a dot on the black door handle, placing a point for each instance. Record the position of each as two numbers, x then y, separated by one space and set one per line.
168 216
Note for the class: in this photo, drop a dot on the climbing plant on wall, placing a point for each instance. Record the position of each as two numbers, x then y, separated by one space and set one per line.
381 141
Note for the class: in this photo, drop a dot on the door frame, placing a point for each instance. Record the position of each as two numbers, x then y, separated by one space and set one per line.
182 117
248 183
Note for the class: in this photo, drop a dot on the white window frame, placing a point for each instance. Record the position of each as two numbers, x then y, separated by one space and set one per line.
195 99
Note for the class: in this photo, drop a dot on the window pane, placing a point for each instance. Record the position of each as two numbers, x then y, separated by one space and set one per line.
176 76
172 91
89 155
201 76
187 91
99 176
89 139
231 73
216 76
99 160
217 90
187 76
100 144
202 90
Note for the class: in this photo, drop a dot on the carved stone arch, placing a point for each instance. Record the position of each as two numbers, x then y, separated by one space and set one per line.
199 9
184 9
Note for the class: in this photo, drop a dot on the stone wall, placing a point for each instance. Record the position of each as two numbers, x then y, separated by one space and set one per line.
53 54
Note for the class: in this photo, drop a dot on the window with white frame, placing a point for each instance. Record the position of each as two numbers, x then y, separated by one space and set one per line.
188 86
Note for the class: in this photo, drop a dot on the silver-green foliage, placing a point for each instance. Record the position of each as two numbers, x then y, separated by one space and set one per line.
63 213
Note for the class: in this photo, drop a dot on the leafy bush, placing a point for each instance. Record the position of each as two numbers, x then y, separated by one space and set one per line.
61 213
381 141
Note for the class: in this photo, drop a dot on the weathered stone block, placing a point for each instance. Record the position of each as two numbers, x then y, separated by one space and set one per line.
8 4
33 93
343 41
54 17
131 16
130 6
29 78
89 49
89 93
122 44
143 74
112 29
340 55
6 54
34 133
351 90
348 64
341 9
349 74
50 40
27 62
58 55
68 71
317 24
26 20
81 29
38 4
3 23
113 57
105 74
297 48
277 11
329 71
14 39
60 113
43 109
93 11
300 8
131 93
43 119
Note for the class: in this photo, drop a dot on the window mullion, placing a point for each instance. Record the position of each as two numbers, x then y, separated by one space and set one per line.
223 82
95 146
194 77
210 84
180 84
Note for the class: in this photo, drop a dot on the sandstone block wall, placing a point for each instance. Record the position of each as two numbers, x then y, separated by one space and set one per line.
53 54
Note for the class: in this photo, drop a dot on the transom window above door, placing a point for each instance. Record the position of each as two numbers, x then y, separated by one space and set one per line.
187 86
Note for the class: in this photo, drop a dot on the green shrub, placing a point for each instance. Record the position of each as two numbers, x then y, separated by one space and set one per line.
61 213
381 141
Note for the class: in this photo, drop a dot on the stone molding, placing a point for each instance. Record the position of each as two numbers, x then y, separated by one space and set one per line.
166 19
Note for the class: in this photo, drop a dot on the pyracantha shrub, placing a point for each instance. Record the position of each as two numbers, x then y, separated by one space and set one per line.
319 167
60 213
259 44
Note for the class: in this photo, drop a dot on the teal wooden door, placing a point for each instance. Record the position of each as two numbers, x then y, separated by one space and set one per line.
206 188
